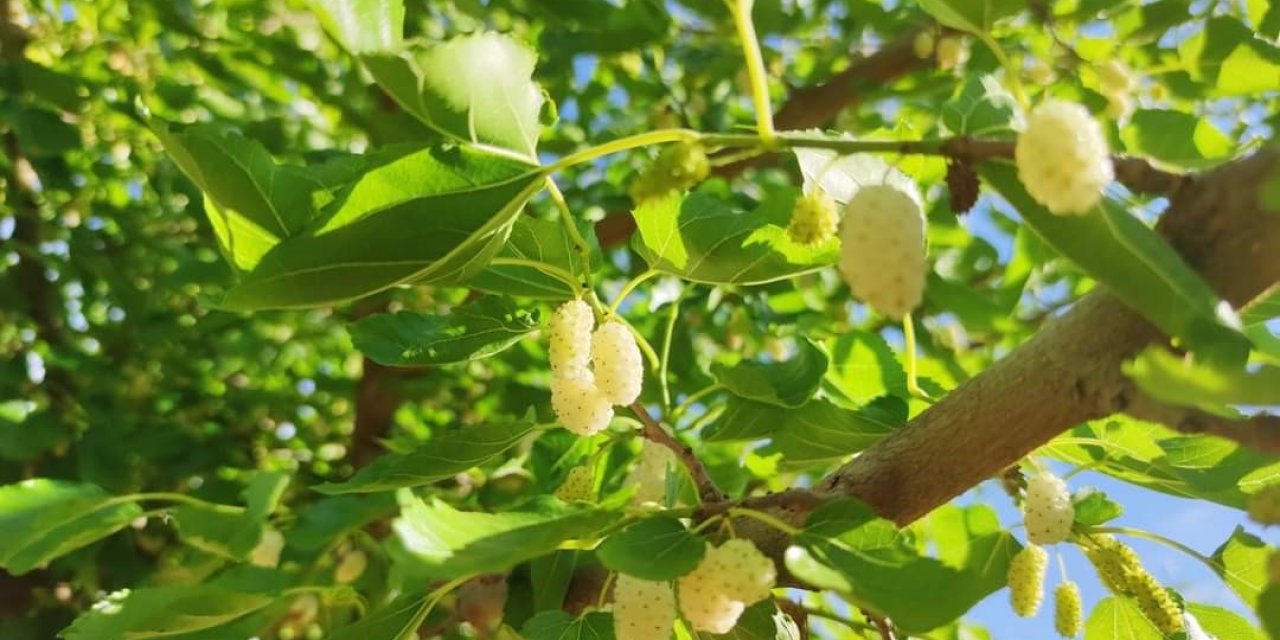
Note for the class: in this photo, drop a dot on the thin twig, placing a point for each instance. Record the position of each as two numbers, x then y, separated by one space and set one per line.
1260 432
654 432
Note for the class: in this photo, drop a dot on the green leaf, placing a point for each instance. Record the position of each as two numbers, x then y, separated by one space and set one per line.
863 367
232 535
846 548
476 88
1231 59
982 107
656 549
431 215
164 612
456 543
814 433
1269 610
470 332
1176 138
397 620
558 625
1223 623
1093 508
328 519
448 453
44 519
542 241
363 26
1119 619
550 577
40 132
1242 563
251 202
761 621
785 384
1135 264
974 16
1172 379
700 238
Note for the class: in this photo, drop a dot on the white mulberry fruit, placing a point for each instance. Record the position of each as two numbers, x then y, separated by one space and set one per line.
882 253
571 326
1063 158
1068 610
649 476
578 485
617 363
642 610
1047 509
814 218
729 578
351 567
1026 580
952 51
579 404
1115 77
267 552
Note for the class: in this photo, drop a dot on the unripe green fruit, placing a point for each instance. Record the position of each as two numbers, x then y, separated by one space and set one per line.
578 485
1156 604
923 45
678 168
1068 614
814 218
952 51
1026 580
1264 506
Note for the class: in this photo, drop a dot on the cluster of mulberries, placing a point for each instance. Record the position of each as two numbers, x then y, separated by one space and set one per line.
1026 580
1122 572
591 372
1047 509
882 248
678 168
1063 158
642 610
729 578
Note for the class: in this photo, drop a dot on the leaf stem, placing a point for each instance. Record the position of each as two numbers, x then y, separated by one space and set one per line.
672 315
909 355
580 245
741 10
548 269
629 287
180 498
693 398
658 136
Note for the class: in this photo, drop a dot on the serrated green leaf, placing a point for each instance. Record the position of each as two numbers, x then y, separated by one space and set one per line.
448 453
454 543
476 88
974 16
328 519
431 215
1231 59
363 26
472 331
1176 138
814 433
846 548
863 367
550 577
233 535
397 620
1242 563
181 612
1223 623
558 625
1119 619
543 241
44 519
1093 508
786 384
982 107
656 549
700 238
1172 379
1134 263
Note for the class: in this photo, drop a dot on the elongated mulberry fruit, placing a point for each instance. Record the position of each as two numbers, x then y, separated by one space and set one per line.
617 363
814 218
578 485
579 404
571 325
1156 603
882 253
1063 158
729 578
1026 580
1115 562
642 610
1068 610
1047 509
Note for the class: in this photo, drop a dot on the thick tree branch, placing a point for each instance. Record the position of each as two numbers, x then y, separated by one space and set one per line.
654 432
1260 432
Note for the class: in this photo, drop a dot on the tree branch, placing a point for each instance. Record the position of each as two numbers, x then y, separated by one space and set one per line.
654 432
1260 432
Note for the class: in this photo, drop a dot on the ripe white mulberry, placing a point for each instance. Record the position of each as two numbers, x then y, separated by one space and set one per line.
1047 510
578 485
1063 158
617 363
882 253
571 326
729 578
814 218
579 404
642 610
1068 610
1026 580
649 476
